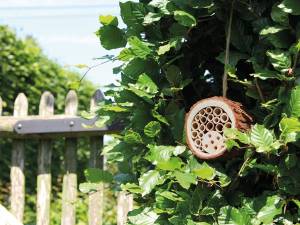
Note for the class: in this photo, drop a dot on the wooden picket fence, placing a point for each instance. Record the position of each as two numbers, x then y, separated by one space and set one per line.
46 127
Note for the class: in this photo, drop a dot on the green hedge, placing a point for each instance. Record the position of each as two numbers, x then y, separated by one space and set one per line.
24 68
174 53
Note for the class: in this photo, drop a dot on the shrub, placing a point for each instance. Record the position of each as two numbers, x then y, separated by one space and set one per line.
174 53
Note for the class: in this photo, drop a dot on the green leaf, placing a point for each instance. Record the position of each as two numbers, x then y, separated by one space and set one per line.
271 30
94 175
102 121
89 187
171 196
133 14
108 20
162 153
185 18
149 180
261 138
173 43
132 137
114 108
206 211
234 57
280 60
142 216
159 117
144 88
232 216
290 6
290 161
174 76
272 207
139 48
179 150
133 188
199 196
294 103
185 179
111 37
266 74
126 55
161 5
279 16
139 66
289 128
145 83
152 129
170 165
204 171
233 133
164 49
152 17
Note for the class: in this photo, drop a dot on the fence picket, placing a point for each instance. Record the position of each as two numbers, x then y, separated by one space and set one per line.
124 205
17 176
46 108
96 199
1 106
70 160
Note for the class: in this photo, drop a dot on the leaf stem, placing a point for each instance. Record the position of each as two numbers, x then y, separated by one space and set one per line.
262 98
295 62
226 61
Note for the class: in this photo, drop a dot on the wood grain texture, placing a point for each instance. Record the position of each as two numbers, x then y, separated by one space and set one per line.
46 108
241 120
125 205
17 177
96 199
70 159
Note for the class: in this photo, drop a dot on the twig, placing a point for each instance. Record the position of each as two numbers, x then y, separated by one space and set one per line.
94 66
295 62
262 98
226 61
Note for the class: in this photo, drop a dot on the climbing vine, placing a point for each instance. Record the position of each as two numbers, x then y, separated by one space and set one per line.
174 53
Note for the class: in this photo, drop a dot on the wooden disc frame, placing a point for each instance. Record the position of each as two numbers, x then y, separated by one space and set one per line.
205 123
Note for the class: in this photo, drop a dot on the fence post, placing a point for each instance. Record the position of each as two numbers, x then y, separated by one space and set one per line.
70 160
46 108
124 205
95 214
17 177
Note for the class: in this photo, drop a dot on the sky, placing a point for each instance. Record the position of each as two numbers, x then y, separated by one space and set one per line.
65 29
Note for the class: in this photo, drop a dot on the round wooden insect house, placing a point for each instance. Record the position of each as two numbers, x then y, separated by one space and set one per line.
205 124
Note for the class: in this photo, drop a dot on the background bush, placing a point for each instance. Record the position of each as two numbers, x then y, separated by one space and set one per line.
24 68
173 54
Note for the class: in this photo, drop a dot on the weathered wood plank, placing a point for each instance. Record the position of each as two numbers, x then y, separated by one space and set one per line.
125 205
96 199
7 218
17 176
46 108
52 127
70 160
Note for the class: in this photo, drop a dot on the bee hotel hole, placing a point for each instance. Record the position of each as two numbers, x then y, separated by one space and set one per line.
212 142
205 125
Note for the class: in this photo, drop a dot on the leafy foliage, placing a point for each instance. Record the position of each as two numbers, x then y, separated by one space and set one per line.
24 68
174 56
